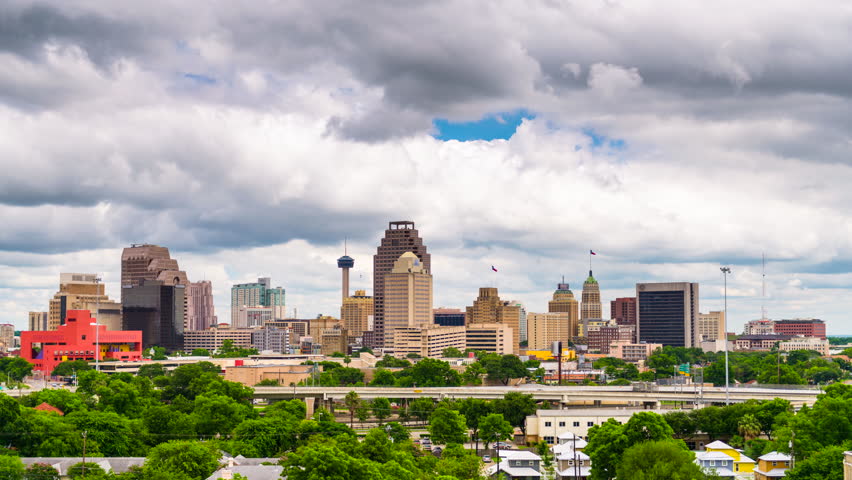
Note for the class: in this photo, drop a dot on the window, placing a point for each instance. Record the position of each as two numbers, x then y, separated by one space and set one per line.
576 424
548 440
774 464
561 424
546 424
589 424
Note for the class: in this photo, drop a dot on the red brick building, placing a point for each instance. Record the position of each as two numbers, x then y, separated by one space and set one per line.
807 327
600 339
623 310
76 340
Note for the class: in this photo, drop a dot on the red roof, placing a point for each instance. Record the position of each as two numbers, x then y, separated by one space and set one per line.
46 407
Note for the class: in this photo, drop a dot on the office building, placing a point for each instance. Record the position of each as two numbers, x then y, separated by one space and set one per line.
808 327
667 313
488 308
79 339
142 262
299 328
600 339
545 328
356 313
7 337
83 291
490 337
213 338
322 322
564 301
200 312
623 310
448 317
37 321
591 306
272 339
759 327
344 263
759 342
522 320
400 237
632 352
157 310
333 340
407 296
427 342
257 294
250 317
711 326
805 343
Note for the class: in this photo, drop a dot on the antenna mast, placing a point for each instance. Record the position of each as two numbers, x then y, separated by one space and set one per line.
763 293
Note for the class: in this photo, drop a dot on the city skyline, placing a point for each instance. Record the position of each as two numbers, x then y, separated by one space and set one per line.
519 136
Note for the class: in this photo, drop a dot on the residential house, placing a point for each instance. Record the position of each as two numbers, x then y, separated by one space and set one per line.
517 465
772 465
716 463
573 465
742 464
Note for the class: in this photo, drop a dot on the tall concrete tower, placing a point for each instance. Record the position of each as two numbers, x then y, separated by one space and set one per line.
345 263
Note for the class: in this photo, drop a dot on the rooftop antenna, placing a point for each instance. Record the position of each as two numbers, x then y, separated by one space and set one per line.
763 292
345 246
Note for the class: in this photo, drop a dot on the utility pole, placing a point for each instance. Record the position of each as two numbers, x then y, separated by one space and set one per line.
725 272
85 432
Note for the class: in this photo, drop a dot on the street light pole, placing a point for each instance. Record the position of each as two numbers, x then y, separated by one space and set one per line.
725 272
97 328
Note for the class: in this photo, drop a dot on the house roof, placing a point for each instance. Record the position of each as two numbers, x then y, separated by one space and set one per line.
567 447
580 472
513 471
109 464
46 407
720 472
707 456
774 473
775 457
718 446
251 472
744 459
570 455
519 455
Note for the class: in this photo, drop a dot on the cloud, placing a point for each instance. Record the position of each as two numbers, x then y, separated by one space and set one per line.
611 81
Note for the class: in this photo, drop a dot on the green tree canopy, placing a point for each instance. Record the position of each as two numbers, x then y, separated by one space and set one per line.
11 468
495 428
381 408
69 367
41 471
515 408
195 460
452 352
825 464
447 426
658 460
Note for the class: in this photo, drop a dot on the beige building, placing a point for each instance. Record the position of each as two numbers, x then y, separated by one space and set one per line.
83 291
37 321
7 337
356 313
212 338
847 465
545 328
547 425
632 352
200 311
759 327
710 326
408 296
805 343
564 302
489 309
591 306
299 328
319 324
428 342
251 375
334 339
250 317
490 337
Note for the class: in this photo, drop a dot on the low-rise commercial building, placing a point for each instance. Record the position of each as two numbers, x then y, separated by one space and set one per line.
805 343
427 342
284 375
213 338
808 327
547 425
490 337
759 342
633 352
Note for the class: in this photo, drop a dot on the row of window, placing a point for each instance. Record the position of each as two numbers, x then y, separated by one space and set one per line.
562 424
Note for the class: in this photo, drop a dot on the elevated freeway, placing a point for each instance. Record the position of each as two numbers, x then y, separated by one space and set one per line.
633 394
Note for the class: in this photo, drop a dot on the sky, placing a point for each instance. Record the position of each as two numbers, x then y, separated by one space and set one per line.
672 137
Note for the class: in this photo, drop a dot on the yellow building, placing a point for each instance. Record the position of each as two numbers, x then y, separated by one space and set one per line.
490 337
83 291
545 328
772 465
489 309
742 464
407 296
334 339
547 355
428 342
564 302
591 306
710 326
356 313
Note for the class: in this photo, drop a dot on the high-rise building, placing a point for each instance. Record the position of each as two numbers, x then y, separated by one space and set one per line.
250 317
356 313
667 313
591 306
83 291
158 310
711 326
546 328
258 294
564 301
489 337
623 310
149 262
407 296
522 320
808 327
400 237
344 263
488 308
37 321
200 312
759 327
271 339
7 337
322 322
448 317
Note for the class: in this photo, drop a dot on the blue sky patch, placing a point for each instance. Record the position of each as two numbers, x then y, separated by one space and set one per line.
599 140
490 127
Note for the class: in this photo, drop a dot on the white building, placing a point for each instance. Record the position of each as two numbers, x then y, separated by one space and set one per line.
548 425
805 343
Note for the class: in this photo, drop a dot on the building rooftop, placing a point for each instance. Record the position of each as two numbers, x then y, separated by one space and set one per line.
718 445
775 457
519 455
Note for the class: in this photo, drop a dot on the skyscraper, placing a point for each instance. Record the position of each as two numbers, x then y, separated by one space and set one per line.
150 262
408 296
667 313
37 321
546 328
711 326
623 310
200 312
591 306
83 291
356 313
488 308
564 302
257 294
400 237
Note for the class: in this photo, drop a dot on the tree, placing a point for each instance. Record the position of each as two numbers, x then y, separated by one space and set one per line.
11 468
474 373
658 460
421 408
69 367
609 440
165 423
86 470
452 352
15 368
504 368
447 426
267 382
152 370
430 372
826 464
196 460
155 353
352 402
41 471
748 427
214 414
383 378
397 432
389 361
381 408
458 463
200 352
474 409
347 376
327 461
495 428
515 407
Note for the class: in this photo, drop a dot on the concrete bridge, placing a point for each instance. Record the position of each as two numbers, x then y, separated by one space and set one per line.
648 395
